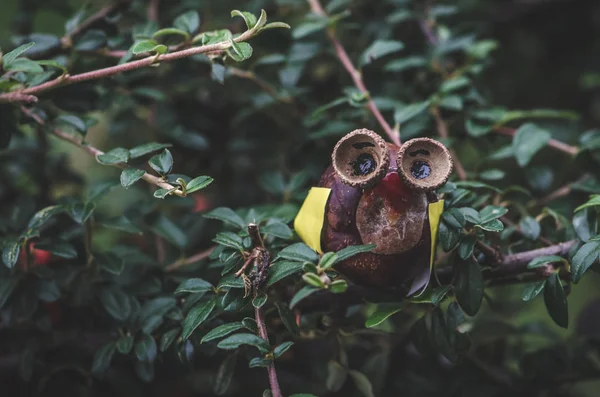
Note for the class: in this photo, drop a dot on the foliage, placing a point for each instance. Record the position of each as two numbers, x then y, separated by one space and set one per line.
119 264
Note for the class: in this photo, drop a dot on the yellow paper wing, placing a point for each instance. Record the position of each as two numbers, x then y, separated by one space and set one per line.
309 221
435 213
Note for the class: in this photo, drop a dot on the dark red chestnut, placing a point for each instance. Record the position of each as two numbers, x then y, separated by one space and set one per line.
378 193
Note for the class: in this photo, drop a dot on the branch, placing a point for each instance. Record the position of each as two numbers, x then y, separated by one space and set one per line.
259 314
154 180
67 79
553 143
342 55
504 269
188 261
562 191
85 25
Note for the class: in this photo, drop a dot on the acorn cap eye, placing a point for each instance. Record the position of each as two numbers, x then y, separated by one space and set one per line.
361 158
424 164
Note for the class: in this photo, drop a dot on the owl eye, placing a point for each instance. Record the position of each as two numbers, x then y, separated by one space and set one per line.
424 164
361 158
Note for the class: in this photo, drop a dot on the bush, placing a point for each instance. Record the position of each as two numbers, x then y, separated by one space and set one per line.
154 158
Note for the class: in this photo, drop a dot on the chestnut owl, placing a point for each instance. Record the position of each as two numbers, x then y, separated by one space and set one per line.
378 193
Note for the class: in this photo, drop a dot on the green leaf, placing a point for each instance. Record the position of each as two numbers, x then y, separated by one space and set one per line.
58 248
145 349
298 252
408 112
10 253
449 237
229 239
282 269
221 331
224 374
123 224
400 65
10 56
259 301
282 348
125 344
170 31
188 22
24 65
196 317
277 229
276 25
454 84
102 358
528 140
467 244
43 215
556 301
162 163
530 228
145 46
469 287
382 313
287 317
147 148
362 383
327 260
592 202
543 260
248 17
492 174
350 251
81 212
492 226
167 339
491 212
453 217
532 290
72 121
301 294
193 286
164 227
198 183
228 216
47 290
129 176
162 193
114 156
235 341
259 362
584 258
239 51
379 49
338 286
116 303
313 279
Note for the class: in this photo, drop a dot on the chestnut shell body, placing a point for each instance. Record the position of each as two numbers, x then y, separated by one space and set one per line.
398 271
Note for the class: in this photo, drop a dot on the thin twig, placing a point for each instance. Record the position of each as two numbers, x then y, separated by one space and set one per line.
89 22
153 10
562 191
442 129
342 55
126 67
246 74
262 330
553 143
188 261
95 152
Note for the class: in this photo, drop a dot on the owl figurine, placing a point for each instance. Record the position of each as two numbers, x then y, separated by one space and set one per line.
375 192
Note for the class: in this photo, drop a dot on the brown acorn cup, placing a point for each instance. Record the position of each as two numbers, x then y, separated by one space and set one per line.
424 164
361 144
